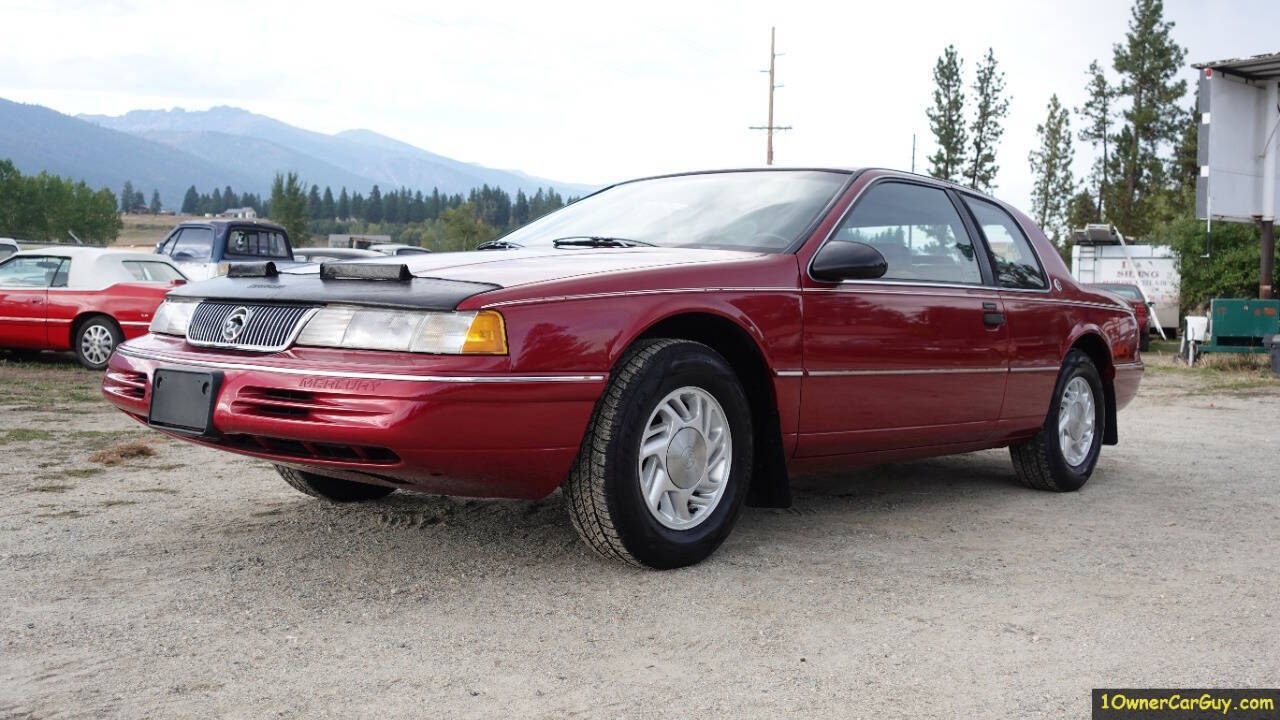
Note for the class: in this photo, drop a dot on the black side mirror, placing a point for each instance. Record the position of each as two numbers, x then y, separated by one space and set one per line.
847 260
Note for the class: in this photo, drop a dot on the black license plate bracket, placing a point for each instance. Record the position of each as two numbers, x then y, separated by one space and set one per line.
182 401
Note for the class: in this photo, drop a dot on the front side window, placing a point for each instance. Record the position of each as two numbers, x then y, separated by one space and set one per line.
193 244
1016 264
33 272
763 211
256 243
150 271
918 231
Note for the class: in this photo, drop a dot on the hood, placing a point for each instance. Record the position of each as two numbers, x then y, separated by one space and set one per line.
440 281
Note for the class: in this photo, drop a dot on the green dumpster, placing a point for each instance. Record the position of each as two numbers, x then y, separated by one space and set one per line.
1240 326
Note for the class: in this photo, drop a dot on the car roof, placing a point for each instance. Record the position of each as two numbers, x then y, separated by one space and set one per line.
222 222
353 252
845 170
96 268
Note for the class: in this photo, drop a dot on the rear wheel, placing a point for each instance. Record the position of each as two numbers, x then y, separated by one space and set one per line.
331 489
1061 457
94 339
666 460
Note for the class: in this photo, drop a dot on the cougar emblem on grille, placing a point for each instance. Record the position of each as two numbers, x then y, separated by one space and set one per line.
235 323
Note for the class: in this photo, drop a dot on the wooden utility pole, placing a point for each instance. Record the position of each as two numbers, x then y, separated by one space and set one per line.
770 127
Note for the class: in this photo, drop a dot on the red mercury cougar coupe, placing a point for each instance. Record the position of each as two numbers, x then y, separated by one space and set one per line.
665 350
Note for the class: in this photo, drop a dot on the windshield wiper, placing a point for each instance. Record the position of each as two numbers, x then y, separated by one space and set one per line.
499 245
597 241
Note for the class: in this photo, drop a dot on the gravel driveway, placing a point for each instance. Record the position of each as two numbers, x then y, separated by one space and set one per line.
193 583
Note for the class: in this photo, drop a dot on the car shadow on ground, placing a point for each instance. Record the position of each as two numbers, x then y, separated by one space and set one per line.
423 536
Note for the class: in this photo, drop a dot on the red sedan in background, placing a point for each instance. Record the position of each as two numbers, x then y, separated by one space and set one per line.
83 299
1132 294
665 350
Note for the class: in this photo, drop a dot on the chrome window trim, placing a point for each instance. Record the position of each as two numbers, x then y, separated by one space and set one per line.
909 180
186 362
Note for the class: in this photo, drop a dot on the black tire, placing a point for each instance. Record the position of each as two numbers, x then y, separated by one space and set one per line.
1144 341
332 489
605 499
94 355
1039 462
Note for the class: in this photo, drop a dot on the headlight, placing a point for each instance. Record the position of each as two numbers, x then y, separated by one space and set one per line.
443 333
173 317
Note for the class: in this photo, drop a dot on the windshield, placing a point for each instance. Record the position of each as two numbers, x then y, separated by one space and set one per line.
760 211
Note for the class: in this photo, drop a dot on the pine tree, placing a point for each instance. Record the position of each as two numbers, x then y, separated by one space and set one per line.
1096 113
288 206
344 205
155 202
1051 168
373 206
313 203
327 208
1147 63
216 202
190 201
946 120
520 210
986 129
228 197
126 197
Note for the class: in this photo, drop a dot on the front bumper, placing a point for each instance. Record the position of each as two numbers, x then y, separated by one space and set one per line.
453 425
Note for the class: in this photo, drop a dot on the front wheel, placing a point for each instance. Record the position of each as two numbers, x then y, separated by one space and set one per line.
1061 457
94 340
666 459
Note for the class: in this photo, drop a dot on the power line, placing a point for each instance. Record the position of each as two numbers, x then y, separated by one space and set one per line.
770 127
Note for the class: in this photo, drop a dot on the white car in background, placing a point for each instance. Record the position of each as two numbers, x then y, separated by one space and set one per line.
398 249
8 246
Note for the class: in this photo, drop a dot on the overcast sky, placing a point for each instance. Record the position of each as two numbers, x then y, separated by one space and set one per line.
592 92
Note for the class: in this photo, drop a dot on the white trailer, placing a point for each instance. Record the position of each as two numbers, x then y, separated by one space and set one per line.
1153 268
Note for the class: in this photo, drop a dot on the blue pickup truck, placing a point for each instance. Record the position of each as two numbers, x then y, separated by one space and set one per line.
203 248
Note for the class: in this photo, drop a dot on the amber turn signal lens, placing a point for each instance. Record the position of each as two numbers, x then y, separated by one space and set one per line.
487 336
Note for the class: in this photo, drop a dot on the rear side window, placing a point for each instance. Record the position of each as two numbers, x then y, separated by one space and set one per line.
918 231
150 271
1016 264
256 243
193 244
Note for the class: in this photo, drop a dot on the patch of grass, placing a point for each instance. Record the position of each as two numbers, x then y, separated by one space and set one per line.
83 472
52 488
160 490
116 503
123 452
168 466
26 435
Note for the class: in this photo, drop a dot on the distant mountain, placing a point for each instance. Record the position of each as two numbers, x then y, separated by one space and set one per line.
170 150
36 138
358 159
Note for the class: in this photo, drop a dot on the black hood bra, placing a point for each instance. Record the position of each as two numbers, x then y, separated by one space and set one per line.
416 293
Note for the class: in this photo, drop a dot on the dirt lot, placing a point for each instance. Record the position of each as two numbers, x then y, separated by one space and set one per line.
191 583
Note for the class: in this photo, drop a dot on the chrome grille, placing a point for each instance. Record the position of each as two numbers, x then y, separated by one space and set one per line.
260 328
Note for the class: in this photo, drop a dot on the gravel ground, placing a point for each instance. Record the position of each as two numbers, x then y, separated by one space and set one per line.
193 583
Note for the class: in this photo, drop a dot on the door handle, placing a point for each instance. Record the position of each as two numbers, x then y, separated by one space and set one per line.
991 315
